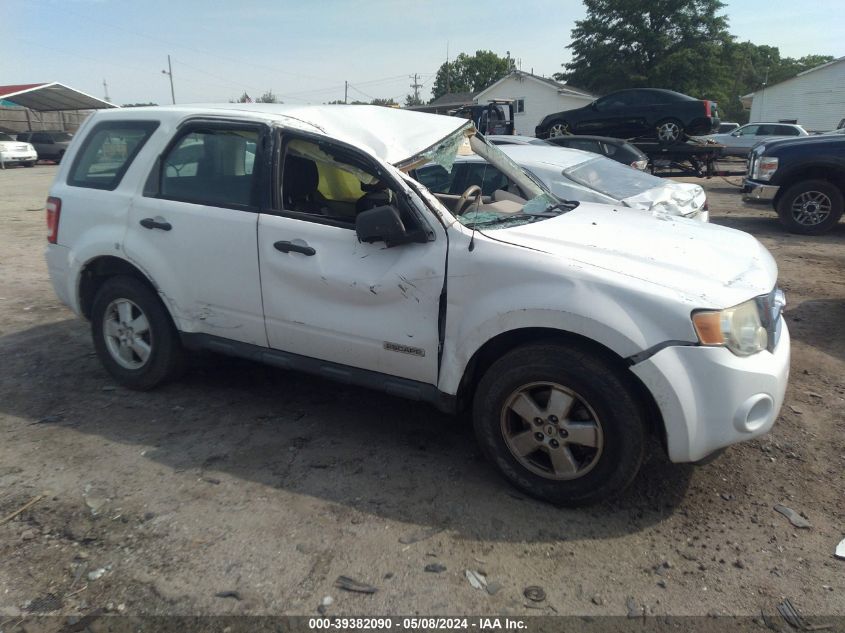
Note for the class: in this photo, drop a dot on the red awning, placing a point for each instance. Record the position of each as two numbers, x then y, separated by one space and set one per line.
51 97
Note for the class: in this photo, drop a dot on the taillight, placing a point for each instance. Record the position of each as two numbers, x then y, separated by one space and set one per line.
54 210
706 108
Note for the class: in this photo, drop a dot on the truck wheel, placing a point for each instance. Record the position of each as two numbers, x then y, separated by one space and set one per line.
133 334
558 128
670 131
810 207
561 423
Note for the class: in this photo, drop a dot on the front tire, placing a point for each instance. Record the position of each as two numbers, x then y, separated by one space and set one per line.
133 334
561 423
30 163
811 207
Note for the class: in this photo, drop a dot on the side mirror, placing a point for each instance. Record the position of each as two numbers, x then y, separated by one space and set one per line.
381 224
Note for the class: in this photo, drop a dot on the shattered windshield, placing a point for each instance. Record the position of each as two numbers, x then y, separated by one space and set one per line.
611 178
490 190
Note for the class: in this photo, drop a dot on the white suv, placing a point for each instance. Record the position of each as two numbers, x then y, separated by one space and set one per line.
294 236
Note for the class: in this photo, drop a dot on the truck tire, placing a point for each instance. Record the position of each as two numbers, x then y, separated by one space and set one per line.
134 336
810 207
561 423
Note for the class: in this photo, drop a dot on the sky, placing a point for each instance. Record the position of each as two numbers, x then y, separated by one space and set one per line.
304 51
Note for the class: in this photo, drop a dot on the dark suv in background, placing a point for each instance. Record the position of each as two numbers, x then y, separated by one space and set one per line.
50 144
640 112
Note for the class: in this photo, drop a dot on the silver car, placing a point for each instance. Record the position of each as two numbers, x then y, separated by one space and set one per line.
741 140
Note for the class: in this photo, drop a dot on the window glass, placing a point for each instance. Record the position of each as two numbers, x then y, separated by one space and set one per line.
584 145
485 176
5 137
608 149
211 166
435 178
766 130
108 152
41 138
331 183
786 130
611 178
748 130
520 106
23 136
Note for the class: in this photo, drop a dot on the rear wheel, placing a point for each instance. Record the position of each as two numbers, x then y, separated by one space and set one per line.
561 423
133 334
670 131
811 207
558 128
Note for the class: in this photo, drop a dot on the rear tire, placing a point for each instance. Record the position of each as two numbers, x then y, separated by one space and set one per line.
134 336
589 450
558 128
810 207
670 131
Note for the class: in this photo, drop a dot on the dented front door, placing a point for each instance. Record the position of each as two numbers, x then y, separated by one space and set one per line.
331 297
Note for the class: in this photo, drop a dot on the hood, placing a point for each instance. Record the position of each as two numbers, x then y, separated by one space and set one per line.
396 136
708 265
674 198
10 145
811 143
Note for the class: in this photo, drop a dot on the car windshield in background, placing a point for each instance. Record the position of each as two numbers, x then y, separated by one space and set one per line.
611 178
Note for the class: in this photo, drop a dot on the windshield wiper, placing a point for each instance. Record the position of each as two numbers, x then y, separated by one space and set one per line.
566 205
509 218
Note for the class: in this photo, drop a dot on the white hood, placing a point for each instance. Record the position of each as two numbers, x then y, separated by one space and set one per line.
709 265
674 198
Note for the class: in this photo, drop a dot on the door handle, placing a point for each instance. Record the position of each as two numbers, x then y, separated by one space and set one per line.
150 223
287 247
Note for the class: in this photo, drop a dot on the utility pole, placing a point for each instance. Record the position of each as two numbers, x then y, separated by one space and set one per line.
106 91
345 92
448 72
169 73
416 86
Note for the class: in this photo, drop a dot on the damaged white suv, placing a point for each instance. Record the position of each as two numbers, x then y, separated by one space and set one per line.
294 236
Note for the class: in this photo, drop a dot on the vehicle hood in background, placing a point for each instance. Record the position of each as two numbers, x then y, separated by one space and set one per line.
674 198
709 266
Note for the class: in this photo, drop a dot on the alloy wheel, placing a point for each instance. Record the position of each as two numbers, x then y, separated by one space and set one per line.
552 431
668 131
811 208
127 334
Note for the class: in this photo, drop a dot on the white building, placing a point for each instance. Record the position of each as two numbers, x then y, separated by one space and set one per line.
814 98
535 98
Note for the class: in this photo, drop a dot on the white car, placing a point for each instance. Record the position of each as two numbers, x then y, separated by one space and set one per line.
296 237
741 140
571 174
12 151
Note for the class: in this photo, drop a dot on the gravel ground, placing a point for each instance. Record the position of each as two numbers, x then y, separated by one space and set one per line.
269 485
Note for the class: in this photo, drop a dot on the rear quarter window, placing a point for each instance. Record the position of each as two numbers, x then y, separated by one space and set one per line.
107 152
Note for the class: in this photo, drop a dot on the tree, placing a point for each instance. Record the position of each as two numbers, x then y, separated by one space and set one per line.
470 73
384 102
138 105
412 100
267 97
648 43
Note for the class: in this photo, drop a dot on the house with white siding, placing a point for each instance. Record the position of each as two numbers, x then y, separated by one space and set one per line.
814 98
534 98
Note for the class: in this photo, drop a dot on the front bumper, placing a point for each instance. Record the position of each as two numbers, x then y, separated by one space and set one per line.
15 156
710 398
758 192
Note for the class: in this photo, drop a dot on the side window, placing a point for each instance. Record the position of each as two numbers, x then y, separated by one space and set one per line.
332 184
42 138
748 130
107 152
519 106
786 130
608 149
435 178
584 145
23 136
211 166
485 176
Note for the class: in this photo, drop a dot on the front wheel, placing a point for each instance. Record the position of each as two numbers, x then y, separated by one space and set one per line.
811 207
561 423
30 163
133 334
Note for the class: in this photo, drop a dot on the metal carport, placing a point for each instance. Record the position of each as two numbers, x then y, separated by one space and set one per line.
50 97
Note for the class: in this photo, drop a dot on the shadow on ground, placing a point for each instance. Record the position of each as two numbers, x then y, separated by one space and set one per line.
365 451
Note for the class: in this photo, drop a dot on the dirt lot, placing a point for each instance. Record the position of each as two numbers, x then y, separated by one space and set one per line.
243 478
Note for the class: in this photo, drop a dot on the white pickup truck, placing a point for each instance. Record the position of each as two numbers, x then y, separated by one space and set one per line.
294 236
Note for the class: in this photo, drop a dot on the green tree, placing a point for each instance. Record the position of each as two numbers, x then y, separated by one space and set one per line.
674 44
267 97
470 73
412 100
384 102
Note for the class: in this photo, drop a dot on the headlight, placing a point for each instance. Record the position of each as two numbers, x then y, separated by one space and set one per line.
764 168
740 328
